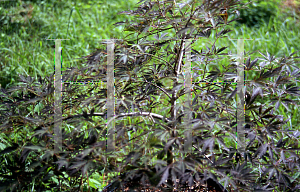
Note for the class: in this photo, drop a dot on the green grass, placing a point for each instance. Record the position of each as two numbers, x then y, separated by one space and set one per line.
25 50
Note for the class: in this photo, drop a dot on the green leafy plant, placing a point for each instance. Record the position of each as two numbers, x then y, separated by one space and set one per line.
257 13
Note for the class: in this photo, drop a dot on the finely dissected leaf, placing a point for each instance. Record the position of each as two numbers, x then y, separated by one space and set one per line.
184 30
221 49
293 90
177 87
169 143
231 95
223 32
255 93
261 150
77 164
270 153
282 157
277 105
264 55
293 54
205 33
208 143
267 110
280 143
248 63
86 152
296 133
62 163
33 147
23 79
253 63
220 140
268 116
88 166
164 176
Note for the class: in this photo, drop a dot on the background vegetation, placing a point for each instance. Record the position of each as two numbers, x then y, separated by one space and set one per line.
26 24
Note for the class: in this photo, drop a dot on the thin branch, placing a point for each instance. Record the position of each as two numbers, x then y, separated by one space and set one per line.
203 154
152 115
156 57
137 114
159 88
179 57
154 31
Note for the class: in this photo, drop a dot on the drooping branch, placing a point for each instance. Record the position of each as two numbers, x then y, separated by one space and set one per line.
151 115
139 114
123 115
159 88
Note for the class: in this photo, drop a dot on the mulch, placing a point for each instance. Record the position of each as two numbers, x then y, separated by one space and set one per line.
211 186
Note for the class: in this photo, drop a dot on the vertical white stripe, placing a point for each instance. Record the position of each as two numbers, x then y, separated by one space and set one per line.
240 94
58 99
110 96
188 97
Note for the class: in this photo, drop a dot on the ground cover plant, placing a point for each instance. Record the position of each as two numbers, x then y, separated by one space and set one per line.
148 80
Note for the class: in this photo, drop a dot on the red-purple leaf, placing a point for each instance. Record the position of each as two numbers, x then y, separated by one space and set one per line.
164 176
253 63
221 49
